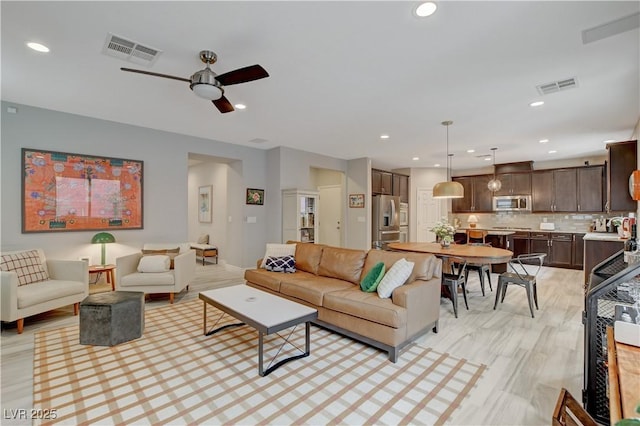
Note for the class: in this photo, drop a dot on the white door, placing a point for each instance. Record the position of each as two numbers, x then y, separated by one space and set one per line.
428 212
330 212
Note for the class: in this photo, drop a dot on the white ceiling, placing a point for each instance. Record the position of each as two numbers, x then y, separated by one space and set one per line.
343 73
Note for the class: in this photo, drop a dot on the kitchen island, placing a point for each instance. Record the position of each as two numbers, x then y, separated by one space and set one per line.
597 247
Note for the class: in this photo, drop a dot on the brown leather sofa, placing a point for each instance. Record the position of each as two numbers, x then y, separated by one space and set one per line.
328 279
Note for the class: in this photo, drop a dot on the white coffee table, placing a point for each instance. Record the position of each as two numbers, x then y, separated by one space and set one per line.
263 311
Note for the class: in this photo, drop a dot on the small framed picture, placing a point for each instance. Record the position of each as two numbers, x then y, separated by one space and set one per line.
204 203
255 196
356 201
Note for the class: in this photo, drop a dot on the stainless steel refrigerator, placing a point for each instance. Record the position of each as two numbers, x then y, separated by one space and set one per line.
386 220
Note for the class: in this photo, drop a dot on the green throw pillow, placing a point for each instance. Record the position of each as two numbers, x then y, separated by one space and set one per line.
370 282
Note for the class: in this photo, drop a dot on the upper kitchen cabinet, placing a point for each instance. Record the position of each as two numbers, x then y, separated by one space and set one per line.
401 187
622 161
477 197
515 184
381 182
590 188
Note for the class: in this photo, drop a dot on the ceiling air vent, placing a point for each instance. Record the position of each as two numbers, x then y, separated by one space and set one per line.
556 86
120 47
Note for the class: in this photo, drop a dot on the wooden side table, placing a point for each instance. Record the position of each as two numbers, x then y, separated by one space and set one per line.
624 378
204 251
108 270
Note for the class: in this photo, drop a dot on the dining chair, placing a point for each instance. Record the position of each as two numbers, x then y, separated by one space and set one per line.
525 269
476 236
451 281
482 268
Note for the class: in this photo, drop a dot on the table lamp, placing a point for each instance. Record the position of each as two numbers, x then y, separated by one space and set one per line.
103 238
473 219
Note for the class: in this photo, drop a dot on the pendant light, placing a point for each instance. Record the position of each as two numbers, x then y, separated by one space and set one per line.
448 189
494 184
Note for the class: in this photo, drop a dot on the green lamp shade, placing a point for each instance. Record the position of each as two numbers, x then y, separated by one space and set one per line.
103 237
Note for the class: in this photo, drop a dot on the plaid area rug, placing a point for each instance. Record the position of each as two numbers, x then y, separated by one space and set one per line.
176 375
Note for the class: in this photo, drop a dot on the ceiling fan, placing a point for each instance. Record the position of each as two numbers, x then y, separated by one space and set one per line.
207 84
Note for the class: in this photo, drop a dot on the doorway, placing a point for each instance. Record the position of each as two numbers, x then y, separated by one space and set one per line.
330 215
428 212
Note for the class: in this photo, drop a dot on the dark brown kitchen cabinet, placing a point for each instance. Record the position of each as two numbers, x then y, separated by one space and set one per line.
381 182
561 250
515 184
539 243
401 187
578 251
621 162
477 197
519 243
590 188
554 190
595 251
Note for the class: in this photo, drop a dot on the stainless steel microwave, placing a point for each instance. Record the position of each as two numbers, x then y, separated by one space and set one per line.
511 203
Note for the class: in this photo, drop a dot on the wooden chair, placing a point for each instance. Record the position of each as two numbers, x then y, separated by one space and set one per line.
476 236
524 276
455 279
569 412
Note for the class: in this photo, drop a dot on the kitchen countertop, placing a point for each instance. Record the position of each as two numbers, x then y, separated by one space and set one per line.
603 236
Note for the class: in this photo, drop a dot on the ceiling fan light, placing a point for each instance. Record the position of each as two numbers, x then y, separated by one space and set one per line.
207 91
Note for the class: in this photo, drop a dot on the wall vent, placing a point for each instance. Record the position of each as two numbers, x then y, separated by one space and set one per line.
131 51
557 86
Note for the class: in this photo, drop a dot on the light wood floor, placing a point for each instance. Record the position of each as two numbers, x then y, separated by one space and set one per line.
529 359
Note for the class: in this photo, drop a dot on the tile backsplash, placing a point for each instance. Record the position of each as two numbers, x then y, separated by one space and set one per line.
569 222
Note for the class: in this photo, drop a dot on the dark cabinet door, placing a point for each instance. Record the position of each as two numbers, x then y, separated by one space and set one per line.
519 243
621 162
578 251
515 184
590 188
561 250
404 188
542 191
381 182
463 205
565 184
395 184
482 197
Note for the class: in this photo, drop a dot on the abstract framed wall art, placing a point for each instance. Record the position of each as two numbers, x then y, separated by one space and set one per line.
204 203
255 196
356 201
75 192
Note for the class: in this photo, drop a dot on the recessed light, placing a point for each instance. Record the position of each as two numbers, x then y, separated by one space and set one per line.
436 165
536 104
415 158
608 141
487 158
426 9
384 136
471 151
553 151
38 47
544 140
240 106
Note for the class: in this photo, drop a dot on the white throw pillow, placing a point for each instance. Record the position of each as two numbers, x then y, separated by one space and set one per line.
395 277
159 263
278 250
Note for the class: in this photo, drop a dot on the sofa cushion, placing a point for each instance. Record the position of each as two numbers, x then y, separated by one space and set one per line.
286 264
277 250
422 270
142 279
155 263
343 264
310 288
397 275
45 291
367 306
370 282
27 265
264 278
308 257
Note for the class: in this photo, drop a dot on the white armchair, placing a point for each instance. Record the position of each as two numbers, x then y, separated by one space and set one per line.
173 281
68 284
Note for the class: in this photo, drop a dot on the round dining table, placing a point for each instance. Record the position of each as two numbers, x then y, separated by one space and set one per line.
472 253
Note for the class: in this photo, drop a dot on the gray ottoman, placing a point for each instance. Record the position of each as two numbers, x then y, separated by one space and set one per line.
107 319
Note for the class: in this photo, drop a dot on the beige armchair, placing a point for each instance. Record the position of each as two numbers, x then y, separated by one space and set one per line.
173 281
68 284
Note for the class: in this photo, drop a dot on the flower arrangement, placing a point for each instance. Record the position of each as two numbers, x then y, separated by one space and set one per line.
444 230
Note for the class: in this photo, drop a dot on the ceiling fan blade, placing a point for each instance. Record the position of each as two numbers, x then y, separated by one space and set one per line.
155 74
242 75
223 105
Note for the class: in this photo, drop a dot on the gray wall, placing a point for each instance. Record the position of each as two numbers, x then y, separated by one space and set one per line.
166 188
